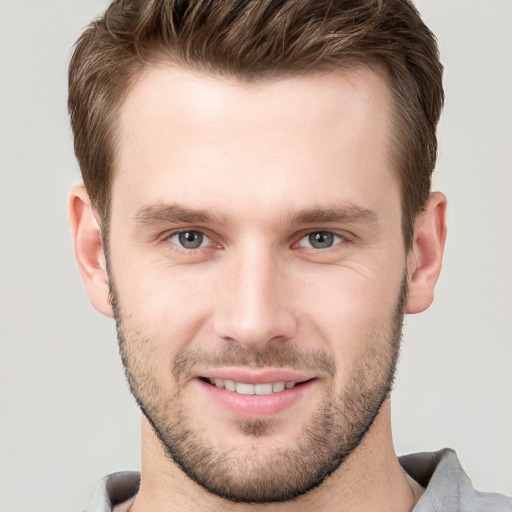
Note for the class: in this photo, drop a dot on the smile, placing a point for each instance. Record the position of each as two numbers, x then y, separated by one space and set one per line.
252 389
245 394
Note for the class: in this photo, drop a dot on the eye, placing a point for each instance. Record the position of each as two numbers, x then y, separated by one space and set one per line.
190 239
320 240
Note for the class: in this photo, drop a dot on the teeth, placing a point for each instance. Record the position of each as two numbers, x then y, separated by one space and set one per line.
250 389
229 385
244 389
263 389
279 386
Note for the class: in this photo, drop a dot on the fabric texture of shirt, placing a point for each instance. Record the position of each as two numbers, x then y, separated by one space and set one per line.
448 488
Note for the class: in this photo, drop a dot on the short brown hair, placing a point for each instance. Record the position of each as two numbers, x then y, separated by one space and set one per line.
251 40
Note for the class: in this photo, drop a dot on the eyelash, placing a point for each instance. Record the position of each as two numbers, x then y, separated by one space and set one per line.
341 239
184 231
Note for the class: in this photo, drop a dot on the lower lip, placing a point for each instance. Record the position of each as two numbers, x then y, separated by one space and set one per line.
256 406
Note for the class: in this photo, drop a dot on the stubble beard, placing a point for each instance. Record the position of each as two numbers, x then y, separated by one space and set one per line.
245 474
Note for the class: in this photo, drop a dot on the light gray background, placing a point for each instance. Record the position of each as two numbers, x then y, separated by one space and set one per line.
66 417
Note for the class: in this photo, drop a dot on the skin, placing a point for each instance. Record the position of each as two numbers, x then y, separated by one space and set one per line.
256 157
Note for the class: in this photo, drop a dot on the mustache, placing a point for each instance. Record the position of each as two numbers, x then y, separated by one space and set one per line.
273 356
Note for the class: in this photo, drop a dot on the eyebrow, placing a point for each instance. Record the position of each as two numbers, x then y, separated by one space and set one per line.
174 213
350 213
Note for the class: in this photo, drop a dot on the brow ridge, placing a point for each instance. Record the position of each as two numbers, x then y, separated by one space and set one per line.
176 213
348 213
173 213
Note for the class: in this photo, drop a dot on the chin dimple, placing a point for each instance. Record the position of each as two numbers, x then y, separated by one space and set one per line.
252 389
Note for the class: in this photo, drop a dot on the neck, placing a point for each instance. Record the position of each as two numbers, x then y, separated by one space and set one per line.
370 479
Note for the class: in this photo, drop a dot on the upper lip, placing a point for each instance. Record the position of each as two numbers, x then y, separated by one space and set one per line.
257 376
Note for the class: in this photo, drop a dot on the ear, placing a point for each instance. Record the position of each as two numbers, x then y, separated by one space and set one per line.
425 258
89 249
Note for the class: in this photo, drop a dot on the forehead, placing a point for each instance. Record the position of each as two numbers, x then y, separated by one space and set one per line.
281 138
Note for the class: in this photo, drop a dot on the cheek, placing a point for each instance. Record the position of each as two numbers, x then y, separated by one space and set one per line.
168 308
352 312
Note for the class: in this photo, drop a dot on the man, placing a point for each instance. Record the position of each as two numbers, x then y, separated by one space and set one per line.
257 217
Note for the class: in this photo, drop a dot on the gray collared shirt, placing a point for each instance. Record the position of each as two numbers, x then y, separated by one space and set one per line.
448 489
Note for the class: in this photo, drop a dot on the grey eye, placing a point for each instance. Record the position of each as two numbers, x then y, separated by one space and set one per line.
320 240
190 239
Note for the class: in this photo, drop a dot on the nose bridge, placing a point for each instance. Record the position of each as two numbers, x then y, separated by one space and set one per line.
255 308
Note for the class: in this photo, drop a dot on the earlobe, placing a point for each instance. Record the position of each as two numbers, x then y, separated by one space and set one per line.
425 258
88 247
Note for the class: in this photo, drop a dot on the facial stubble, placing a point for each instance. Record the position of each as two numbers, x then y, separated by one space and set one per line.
247 473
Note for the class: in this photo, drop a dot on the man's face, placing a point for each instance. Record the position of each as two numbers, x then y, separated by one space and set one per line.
256 247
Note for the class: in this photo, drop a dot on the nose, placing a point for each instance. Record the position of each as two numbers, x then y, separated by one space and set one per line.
255 305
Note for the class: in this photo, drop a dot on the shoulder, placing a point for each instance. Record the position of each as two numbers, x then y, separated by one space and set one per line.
112 490
448 488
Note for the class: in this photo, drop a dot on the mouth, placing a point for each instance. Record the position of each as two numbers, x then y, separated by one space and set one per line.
250 395
244 388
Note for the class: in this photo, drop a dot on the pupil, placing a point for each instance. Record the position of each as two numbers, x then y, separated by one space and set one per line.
321 240
191 239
